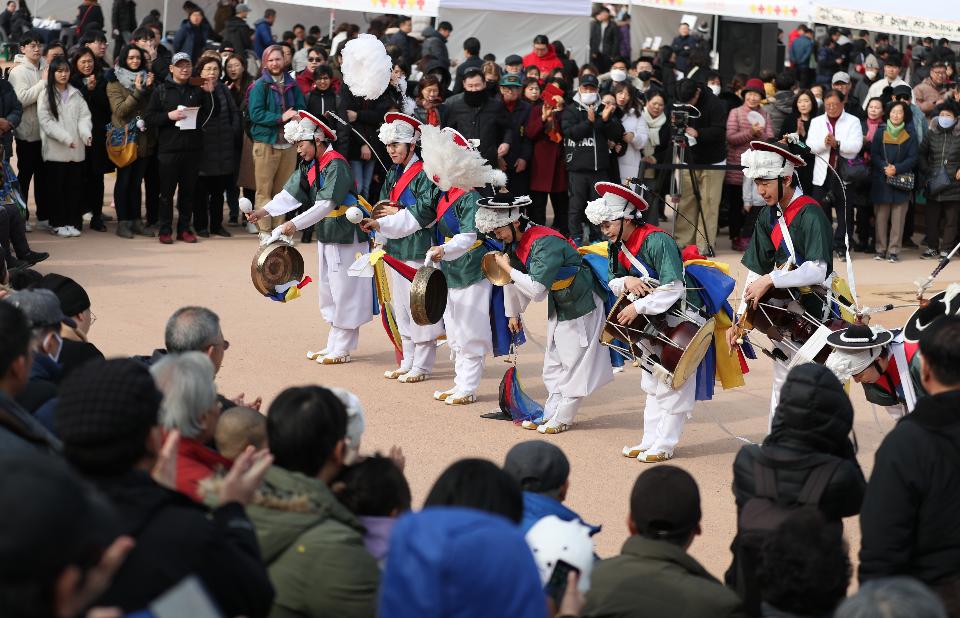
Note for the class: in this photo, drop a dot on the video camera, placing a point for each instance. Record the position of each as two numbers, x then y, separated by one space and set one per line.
680 117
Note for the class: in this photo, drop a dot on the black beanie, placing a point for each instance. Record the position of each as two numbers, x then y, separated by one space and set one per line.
73 298
105 412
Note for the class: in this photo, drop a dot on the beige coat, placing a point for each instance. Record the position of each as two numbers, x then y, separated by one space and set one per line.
72 127
26 82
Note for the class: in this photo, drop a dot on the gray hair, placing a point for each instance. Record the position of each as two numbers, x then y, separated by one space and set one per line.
191 329
892 597
186 381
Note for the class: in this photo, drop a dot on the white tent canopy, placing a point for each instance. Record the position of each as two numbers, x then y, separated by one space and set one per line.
773 10
891 16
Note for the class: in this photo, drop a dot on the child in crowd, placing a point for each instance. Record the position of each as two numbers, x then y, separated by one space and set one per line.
239 428
376 491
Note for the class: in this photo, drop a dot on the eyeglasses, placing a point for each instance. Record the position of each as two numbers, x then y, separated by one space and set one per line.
314 59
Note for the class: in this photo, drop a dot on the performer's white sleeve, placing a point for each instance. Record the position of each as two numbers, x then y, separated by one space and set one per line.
660 299
319 210
809 273
515 302
281 204
617 285
531 289
398 225
458 245
751 277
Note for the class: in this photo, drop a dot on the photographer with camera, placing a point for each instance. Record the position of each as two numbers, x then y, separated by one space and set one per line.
704 131
588 129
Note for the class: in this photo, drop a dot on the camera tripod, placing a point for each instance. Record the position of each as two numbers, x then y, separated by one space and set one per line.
679 152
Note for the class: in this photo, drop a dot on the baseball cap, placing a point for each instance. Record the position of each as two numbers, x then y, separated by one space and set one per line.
242 8
590 80
840 77
513 59
512 81
73 298
665 502
41 307
538 466
180 57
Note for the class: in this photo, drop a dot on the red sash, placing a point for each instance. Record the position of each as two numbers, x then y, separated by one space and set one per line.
890 379
532 234
405 179
448 200
322 162
776 234
635 241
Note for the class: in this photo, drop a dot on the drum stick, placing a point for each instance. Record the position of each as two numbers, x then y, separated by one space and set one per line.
347 124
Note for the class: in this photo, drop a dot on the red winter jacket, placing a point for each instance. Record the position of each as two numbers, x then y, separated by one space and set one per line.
196 462
547 63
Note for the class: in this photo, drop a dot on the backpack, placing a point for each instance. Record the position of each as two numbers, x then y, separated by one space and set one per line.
761 515
245 112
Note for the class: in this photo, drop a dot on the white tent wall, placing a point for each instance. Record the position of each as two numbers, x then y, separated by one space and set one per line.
502 33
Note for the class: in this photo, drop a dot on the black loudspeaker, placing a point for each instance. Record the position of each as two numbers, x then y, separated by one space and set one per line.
747 47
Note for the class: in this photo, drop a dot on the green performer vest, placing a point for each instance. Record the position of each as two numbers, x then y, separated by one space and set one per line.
327 178
456 211
419 196
658 253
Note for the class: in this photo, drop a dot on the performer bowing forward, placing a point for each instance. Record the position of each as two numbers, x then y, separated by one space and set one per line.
545 265
323 179
405 223
791 246
452 163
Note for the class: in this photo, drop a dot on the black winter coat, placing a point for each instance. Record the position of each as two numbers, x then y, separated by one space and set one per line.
124 15
941 145
711 146
221 133
435 45
489 123
810 427
521 147
165 98
369 118
100 114
176 537
321 102
238 35
584 144
912 506
87 15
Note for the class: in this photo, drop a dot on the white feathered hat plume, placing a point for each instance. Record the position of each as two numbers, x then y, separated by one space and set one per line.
366 66
450 164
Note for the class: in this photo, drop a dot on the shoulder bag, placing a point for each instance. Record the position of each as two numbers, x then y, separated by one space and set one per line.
122 143
900 182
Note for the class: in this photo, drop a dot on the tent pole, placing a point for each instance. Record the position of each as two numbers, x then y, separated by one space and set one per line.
164 33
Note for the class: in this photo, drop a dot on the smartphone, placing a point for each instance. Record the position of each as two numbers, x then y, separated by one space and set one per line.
557 584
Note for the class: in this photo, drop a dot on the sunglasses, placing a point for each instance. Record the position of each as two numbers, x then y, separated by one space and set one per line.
314 59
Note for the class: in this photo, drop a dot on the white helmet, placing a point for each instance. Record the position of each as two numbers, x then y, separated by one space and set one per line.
552 539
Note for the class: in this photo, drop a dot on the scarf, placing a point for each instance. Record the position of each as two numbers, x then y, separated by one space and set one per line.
128 78
653 124
872 126
894 129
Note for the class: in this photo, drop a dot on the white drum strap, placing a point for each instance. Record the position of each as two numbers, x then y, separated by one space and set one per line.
634 262
903 369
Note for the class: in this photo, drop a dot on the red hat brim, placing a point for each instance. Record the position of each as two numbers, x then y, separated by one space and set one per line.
632 197
458 137
327 131
393 116
778 149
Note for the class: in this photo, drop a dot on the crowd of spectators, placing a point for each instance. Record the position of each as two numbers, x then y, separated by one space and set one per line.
132 481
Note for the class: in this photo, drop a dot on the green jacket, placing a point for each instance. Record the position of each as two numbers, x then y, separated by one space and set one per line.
265 111
548 255
465 270
657 578
313 548
334 183
420 199
812 237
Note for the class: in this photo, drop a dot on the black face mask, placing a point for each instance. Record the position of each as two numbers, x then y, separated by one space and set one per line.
474 98
644 76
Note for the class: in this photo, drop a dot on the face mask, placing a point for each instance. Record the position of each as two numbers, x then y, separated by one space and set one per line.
618 75
644 76
871 75
474 98
946 122
589 98
714 88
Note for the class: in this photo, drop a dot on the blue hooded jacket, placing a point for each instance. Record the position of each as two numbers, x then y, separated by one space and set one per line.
262 37
538 506
452 562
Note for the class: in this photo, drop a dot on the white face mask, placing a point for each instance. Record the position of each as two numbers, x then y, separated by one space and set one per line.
871 74
589 98
618 75
714 88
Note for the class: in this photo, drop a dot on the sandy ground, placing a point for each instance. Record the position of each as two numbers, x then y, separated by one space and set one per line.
136 284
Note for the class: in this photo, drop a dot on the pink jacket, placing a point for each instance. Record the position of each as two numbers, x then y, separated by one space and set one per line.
739 136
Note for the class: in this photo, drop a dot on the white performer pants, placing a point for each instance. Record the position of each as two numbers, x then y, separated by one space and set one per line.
467 320
346 303
665 413
419 342
780 371
575 364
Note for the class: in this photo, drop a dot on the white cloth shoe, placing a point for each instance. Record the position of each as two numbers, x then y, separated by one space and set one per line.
315 356
73 231
394 374
62 232
553 426
442 395
413 376
460 399
252 228
633 452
